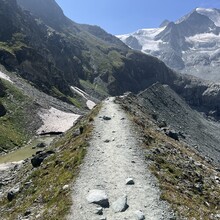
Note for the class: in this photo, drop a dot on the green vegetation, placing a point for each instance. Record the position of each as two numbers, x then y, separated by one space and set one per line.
94 87
12 125
116 59
15 44
46 195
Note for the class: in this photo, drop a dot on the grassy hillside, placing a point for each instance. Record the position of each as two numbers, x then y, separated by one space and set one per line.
17 125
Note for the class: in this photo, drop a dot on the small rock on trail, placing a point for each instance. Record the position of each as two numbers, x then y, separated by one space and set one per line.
129 181
98 197
139 215
120 205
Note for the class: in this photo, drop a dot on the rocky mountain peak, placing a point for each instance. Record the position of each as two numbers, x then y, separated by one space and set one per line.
190 45
164 23
48 10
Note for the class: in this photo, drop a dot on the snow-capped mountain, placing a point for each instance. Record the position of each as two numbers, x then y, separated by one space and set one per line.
190 45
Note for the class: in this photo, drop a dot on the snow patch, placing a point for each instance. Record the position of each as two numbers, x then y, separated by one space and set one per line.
212 14
55 120
4 76
90 104
146 38
205 37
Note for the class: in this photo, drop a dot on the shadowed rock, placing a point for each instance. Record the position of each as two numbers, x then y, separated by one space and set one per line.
98 197
120 205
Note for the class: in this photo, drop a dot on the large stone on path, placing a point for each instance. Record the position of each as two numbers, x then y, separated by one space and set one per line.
120 205
98 197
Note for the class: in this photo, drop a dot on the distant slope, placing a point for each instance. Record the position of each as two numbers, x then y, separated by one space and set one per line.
165 105
190 45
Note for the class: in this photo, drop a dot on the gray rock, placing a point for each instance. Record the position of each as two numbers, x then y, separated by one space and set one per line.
129 181
98 197
172 134
120 205
106 118
139 215
12 193
39 157
99 211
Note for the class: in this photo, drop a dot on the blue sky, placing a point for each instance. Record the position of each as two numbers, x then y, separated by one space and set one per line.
125 16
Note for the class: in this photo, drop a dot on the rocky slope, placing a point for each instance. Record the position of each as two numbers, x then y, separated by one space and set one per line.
189 45
173 114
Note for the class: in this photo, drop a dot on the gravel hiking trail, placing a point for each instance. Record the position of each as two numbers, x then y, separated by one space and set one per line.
114 156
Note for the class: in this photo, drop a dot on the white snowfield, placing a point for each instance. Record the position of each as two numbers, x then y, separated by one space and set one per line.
55 120
145 38
4 76
213 14
90 104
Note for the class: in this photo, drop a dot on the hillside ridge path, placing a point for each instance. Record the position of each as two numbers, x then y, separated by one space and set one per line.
113 156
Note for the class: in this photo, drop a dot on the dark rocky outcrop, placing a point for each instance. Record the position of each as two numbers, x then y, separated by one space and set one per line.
2 89
2 110
39 157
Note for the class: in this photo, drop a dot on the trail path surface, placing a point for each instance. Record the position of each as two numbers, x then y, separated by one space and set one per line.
114 156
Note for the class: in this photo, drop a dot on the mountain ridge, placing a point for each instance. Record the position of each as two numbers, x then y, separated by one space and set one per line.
189 45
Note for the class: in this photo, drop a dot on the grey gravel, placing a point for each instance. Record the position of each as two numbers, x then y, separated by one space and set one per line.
112 166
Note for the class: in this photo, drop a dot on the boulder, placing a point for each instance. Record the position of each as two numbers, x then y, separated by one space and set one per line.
39 157
10 196
98 197
12 193
172 134
120 205
2 110
139 215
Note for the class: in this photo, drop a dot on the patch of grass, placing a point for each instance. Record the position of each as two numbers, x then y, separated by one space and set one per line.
97 88
116 59
45 195
75 102
12 125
